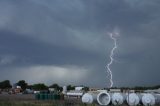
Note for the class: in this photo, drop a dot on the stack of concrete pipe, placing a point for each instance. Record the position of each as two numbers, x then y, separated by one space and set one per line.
104 98
117 99
89 98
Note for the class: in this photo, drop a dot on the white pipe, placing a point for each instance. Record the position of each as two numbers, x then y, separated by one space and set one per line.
64 90
103 98
157 97
132 99
148 99
89 98
117 99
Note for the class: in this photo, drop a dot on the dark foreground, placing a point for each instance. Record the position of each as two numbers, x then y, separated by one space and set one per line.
41 103
29 100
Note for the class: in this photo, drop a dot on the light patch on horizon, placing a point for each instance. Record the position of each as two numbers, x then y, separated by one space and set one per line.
49 74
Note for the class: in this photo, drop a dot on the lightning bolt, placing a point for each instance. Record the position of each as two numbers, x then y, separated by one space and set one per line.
112 36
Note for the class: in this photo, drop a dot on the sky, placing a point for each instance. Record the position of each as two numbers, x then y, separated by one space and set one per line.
67 42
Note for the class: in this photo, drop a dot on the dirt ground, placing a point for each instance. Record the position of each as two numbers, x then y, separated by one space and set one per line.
17 97
29 100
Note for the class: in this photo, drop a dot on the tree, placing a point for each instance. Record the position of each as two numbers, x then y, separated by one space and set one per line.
56 87
70 87
23 84
40 86
29 86
85 89
5 84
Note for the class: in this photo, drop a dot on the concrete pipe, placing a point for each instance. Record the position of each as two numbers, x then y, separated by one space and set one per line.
103 98
89 98
117 99
148 100
64 90
132 99
157 96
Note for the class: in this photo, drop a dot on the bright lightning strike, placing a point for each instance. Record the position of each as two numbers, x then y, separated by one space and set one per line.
112 36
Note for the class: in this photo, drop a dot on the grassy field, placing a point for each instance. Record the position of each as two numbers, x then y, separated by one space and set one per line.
46 103
42 103
29 100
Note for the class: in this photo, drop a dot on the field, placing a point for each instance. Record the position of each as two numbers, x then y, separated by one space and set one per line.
29 100
41 103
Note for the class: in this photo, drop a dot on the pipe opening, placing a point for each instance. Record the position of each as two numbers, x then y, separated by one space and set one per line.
103 98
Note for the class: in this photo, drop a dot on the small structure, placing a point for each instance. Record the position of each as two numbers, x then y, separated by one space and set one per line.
51 90
115 90
36 92
28 91
153 91
79 88
94 89
16 89
78 92
75 93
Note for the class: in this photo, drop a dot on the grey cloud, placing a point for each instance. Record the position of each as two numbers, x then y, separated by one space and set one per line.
63 32
6 59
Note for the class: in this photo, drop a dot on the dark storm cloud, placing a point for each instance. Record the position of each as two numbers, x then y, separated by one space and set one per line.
41 53
72 35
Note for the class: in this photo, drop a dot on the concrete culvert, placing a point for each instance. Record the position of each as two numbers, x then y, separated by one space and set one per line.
117 99
103 98
89 98
132 99
148 100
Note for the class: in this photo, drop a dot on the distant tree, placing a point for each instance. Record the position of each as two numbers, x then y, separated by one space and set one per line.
56 87
114 88
5 84
86 89
60 89
29 86
70 87
40 86
23 84
156 87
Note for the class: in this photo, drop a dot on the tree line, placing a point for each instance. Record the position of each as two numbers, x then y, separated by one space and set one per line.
138 87
39 86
